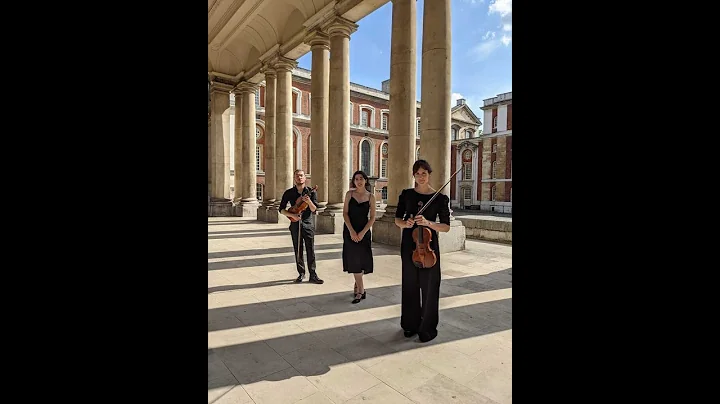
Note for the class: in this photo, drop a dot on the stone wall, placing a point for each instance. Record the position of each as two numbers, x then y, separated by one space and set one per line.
491 230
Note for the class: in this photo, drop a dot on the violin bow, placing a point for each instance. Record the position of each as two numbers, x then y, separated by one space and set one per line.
436 193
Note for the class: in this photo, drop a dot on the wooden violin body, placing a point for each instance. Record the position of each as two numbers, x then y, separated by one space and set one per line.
300 205
423 256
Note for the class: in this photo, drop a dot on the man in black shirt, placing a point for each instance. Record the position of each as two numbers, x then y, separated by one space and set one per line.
305 226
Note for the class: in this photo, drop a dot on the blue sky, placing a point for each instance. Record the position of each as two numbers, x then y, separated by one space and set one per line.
481 49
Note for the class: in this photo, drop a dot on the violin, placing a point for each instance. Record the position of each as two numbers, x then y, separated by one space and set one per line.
423 255
300 205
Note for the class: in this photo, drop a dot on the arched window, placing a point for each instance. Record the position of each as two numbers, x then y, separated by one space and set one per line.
383 193
468 134
259 191
365 157
365 118
453 133
384 123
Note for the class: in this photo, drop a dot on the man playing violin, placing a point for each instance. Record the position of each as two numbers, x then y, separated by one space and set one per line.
302 230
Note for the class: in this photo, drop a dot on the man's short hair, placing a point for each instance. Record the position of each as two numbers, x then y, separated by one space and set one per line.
296 171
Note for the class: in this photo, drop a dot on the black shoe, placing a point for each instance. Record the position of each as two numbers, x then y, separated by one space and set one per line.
300 278
358 299
315 279
409 334
427 336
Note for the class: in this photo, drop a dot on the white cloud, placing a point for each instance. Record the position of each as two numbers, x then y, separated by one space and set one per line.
474 1
483 50
489 35
504 9
454 97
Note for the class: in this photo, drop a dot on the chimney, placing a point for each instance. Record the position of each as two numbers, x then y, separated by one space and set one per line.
460 101
386 86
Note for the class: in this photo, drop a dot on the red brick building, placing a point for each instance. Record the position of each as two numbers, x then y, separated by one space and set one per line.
486 180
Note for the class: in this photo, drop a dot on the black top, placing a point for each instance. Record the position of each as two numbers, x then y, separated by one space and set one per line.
291 196
410 201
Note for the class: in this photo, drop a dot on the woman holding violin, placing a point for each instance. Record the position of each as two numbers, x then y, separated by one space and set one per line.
420 252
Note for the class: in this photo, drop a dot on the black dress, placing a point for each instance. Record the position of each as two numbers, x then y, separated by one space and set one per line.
357 257
419 311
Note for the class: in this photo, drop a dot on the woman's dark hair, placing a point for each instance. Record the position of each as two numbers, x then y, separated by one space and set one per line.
361 172
421 164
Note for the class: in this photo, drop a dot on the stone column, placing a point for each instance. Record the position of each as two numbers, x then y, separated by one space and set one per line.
331 220
267 212
283 140
435 98
401 143
269 193
320 88
237 164
220 142
248 204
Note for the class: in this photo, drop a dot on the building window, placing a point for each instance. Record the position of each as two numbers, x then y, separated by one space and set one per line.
494 169
259 191
494 149
384 124
510 194
296 101
365 156
467 194
257 157
383 193
351 113
495 122
257 133
492 197
417 130
383 160
453 134
257 98
468 134
467 164
364 117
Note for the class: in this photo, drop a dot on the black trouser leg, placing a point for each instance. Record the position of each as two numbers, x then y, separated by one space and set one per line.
308 236
410 307
429 280
298 250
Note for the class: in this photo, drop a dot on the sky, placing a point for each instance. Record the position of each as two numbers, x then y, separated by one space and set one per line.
481 49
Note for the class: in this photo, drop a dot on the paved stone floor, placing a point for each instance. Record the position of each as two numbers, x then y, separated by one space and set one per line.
273 341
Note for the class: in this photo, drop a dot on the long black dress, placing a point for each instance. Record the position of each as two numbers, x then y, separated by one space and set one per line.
357 257
419 311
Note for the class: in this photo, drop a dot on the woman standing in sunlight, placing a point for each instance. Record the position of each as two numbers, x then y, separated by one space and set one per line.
421 286
357 238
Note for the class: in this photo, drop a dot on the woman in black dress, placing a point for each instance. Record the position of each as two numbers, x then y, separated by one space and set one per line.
421 286
357 249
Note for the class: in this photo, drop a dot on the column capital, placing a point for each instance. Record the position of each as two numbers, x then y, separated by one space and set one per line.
268 70
340 27
284 64
246 87
318 39
218 87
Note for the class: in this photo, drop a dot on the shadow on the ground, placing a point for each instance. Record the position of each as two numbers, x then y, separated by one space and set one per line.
270 250
286 259
339 302
249 231
268 233
316 353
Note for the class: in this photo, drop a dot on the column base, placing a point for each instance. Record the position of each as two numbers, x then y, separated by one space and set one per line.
270 214
454 240
246 209
330 222
218 207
